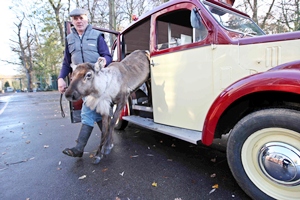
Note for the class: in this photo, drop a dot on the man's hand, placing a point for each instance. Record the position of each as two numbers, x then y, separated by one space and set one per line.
61 85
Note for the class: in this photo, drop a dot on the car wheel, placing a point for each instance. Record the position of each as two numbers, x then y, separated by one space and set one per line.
263 153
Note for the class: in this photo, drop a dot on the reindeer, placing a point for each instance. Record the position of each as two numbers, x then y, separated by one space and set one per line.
104 87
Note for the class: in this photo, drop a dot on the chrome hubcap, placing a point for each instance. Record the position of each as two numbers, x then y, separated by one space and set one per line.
280 162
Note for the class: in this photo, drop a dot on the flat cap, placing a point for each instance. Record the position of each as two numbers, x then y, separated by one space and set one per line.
78 11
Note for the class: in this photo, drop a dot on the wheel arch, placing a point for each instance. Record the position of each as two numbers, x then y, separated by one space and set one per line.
275 88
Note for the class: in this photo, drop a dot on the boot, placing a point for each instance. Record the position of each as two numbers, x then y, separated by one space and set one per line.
83 137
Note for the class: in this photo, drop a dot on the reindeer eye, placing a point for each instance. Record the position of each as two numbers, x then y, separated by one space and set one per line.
88 75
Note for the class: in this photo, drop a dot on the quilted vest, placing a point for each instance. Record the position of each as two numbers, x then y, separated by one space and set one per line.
83 49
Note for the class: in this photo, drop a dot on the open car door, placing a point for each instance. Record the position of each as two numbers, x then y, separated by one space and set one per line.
112 39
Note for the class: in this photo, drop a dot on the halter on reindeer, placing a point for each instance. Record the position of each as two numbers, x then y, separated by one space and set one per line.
105 87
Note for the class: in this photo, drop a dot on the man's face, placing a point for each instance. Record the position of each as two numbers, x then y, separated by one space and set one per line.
80 22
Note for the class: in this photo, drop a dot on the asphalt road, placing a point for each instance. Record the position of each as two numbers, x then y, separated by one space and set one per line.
142 165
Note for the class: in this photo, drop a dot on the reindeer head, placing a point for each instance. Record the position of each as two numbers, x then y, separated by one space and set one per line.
81 84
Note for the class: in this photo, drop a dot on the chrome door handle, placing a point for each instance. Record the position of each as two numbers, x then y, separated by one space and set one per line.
152 63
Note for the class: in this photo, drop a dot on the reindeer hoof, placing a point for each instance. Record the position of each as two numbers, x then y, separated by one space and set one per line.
107 150
97 159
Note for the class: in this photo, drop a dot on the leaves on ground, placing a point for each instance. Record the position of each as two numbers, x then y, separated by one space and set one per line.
154 184
82 177
213 190
104 170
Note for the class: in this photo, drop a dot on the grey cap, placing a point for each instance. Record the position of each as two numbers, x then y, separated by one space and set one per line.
78 11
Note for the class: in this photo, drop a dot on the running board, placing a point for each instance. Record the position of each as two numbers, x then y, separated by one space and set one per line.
180 133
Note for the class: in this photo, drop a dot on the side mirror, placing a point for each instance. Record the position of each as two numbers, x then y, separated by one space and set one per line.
195 19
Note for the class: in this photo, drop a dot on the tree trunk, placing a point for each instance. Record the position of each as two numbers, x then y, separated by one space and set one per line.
57 18
112 19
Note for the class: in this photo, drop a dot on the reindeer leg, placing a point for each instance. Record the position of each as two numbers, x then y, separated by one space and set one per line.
108 143
99 155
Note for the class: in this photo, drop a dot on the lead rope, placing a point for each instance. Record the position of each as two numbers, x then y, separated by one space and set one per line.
61 108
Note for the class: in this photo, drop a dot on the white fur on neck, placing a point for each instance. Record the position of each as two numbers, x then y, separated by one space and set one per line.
105 80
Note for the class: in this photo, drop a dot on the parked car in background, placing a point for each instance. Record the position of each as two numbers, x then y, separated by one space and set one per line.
9 89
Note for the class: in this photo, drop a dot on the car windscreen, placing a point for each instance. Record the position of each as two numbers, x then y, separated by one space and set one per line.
234 21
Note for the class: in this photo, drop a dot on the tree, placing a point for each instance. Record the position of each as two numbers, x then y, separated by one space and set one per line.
6 84
59 23
23 46
290 14
273 16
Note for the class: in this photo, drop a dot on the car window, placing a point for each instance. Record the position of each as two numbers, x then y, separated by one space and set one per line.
174 29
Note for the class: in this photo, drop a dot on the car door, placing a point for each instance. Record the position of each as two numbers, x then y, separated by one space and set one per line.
181 68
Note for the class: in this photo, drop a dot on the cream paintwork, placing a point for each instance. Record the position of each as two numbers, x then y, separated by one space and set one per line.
185 83
232 62
182 87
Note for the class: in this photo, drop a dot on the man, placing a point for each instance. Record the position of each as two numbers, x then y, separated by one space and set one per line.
84 44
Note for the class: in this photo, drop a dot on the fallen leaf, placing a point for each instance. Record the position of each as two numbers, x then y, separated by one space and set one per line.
104 170
91 155
121 173
212 191
31 158
117 198
154 184
82 177
215 186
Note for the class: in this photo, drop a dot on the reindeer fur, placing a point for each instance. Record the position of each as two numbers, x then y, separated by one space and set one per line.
104 87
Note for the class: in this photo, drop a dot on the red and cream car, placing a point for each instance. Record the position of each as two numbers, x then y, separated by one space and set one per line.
214 72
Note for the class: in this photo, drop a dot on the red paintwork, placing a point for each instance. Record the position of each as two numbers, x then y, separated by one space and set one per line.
77 105
268 38
124 112
289 65
230 2
274 80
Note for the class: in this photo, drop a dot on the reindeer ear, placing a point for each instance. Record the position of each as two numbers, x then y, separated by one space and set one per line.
99 64
73 66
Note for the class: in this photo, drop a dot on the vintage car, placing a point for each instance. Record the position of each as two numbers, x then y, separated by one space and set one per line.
215 72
